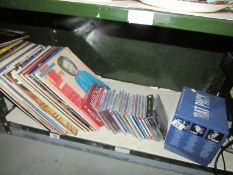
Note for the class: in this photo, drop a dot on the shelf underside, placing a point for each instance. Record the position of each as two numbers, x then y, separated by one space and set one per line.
219 23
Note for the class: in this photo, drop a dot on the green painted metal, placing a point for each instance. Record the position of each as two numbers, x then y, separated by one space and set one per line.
151 63
162 19
194 23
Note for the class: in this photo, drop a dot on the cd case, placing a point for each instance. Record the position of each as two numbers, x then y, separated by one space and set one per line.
199 126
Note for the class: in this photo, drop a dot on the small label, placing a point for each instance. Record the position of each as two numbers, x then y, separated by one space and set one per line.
140 17
55 136
231 92
229 124
177 124
122 150
193 90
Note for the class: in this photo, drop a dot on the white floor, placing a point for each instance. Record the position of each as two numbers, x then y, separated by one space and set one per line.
22 156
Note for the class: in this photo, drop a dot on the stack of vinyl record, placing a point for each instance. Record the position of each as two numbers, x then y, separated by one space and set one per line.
55 88
143 116
48 83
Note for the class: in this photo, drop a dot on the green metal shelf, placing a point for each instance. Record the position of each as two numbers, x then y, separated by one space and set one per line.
162 19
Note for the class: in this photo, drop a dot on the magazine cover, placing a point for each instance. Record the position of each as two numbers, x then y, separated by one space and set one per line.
30 96
9 58
9 47
70 79
30 82
38 105
9 91
25 107
10 54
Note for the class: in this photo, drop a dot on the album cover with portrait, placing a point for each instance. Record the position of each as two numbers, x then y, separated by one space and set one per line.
64 74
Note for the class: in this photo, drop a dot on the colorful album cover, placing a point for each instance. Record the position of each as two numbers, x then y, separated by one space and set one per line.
70 79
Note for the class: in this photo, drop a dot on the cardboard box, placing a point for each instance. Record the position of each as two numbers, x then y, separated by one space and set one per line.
199 126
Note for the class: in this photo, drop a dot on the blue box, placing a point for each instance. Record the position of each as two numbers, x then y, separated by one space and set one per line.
199 126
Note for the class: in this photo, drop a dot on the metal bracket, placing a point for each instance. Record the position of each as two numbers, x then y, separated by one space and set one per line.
4 126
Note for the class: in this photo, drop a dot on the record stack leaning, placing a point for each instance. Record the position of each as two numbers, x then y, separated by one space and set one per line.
56 89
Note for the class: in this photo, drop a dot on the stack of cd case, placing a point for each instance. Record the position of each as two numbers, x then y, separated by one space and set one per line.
143 116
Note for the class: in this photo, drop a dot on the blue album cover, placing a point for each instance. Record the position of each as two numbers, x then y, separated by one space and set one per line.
199 126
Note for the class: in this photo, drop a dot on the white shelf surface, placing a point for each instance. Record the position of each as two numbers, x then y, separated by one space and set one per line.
169 99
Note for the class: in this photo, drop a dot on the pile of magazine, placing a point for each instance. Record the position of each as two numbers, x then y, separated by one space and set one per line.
54 87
